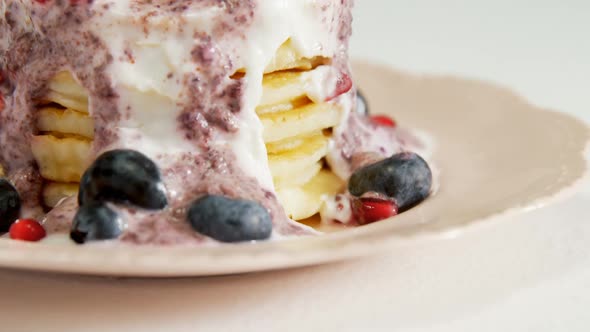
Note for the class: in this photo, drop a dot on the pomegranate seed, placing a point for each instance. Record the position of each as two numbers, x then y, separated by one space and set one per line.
27 230
369 210
383 120
343 85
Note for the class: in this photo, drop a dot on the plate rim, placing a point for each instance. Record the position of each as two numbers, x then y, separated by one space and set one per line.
139 261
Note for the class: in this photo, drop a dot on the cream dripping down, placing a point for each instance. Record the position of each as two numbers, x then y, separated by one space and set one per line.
152 98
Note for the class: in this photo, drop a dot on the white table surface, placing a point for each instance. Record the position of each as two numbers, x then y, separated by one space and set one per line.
525 273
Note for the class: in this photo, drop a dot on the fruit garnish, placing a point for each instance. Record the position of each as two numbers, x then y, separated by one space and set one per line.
368 209
230 220
343 85
95 222
404 177
27 230
383 120
123 176
9 205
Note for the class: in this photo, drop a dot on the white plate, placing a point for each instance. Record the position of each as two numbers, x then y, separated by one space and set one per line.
495 154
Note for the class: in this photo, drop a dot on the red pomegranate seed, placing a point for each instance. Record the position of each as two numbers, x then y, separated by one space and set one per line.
27 230
370 210
343 85
383 120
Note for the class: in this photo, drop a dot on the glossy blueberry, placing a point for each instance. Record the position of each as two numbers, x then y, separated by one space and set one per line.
9 205
84 183
230 220
362 107
123 176
95 222
404 177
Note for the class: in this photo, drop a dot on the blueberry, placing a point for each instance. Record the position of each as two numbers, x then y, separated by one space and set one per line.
95 222
84 183
123 176
230 220
9 205
404 177
362 107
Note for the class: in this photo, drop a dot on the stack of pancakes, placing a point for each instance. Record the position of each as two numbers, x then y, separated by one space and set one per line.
297 131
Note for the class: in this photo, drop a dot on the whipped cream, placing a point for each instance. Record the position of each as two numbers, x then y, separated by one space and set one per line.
153 50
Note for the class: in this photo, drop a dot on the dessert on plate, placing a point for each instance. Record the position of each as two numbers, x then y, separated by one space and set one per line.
190 122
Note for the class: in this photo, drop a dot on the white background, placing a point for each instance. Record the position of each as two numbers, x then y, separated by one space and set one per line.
526 273
540 48
532 273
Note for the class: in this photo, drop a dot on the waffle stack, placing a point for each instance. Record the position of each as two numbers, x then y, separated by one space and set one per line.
297 130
